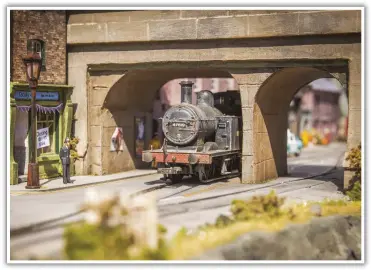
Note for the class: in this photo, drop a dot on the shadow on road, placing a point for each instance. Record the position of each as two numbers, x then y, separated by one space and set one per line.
323 173
41 226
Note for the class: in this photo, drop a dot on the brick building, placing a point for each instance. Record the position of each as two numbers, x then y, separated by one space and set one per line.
44 32
318 106
49 29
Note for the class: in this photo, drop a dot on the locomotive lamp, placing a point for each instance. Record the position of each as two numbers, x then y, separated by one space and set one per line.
186 91
33 67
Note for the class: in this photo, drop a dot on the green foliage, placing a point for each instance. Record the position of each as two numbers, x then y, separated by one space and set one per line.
73 148
108 233
94 242
355 162
223 221
258 207
91 242
333 202
355 193
104 241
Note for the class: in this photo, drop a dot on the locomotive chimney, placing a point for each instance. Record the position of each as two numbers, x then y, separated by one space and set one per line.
186 91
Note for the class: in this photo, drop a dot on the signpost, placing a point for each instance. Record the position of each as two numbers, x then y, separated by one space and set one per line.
43 138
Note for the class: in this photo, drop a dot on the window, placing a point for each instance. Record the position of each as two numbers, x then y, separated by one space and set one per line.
317 98
49 120
38 46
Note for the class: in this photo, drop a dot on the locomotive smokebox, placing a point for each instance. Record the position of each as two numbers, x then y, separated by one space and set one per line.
186 91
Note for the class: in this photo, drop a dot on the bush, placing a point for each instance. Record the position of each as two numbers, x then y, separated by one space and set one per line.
73 148
110 231
93 242
105 235
355 192
258 207
355 163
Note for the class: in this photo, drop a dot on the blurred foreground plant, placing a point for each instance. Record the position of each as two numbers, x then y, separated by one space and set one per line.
116 227
260 213
355 163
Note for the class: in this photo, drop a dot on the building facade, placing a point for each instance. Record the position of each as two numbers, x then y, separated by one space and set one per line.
44 32
318 106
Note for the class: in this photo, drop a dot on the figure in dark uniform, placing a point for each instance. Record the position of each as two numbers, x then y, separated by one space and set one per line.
64 155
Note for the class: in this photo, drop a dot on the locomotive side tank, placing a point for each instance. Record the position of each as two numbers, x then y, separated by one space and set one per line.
199 140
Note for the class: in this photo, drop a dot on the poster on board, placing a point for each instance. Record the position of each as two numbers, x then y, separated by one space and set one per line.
139 136
43 138
117 140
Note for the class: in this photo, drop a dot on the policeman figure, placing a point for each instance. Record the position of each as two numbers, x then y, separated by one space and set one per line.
64 155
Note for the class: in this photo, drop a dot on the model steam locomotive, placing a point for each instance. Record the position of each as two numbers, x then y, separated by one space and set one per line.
199 140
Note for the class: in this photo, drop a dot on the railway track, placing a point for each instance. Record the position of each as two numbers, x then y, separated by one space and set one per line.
188 200
183 205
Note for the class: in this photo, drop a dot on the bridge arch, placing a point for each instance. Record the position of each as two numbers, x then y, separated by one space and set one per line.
270 119
131 94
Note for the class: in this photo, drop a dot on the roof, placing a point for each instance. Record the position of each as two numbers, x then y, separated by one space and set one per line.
327 85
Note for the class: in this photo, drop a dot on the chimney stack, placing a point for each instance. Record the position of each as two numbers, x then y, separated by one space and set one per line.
186 91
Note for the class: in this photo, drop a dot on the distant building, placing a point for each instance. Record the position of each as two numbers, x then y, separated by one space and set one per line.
318 106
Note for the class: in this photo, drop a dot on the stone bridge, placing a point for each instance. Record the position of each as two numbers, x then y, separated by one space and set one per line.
118 59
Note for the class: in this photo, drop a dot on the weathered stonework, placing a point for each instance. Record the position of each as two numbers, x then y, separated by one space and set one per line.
134 31
253 63
328 22
222 27
183 25
273 25
202 13
175 30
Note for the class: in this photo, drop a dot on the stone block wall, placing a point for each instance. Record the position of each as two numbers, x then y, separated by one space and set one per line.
184 43
257 161
160 25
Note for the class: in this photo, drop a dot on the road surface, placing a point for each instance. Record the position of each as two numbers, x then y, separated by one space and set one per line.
187 204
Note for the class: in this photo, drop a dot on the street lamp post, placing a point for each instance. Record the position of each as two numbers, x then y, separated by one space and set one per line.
33 68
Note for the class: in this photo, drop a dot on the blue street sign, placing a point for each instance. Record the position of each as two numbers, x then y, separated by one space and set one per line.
25 95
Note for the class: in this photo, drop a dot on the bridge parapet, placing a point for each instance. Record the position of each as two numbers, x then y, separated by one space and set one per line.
171 25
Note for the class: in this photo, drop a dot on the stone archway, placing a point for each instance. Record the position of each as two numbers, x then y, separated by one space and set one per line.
131 94
270 114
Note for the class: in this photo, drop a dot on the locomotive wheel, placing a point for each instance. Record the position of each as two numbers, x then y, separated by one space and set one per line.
206 172
174 179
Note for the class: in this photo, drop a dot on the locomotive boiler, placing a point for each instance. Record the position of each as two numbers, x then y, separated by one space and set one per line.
199 140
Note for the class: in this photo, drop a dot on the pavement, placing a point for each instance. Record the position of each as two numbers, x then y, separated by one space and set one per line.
48 185
312 176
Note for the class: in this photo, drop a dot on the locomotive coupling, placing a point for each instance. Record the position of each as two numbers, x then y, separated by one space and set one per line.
192 159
